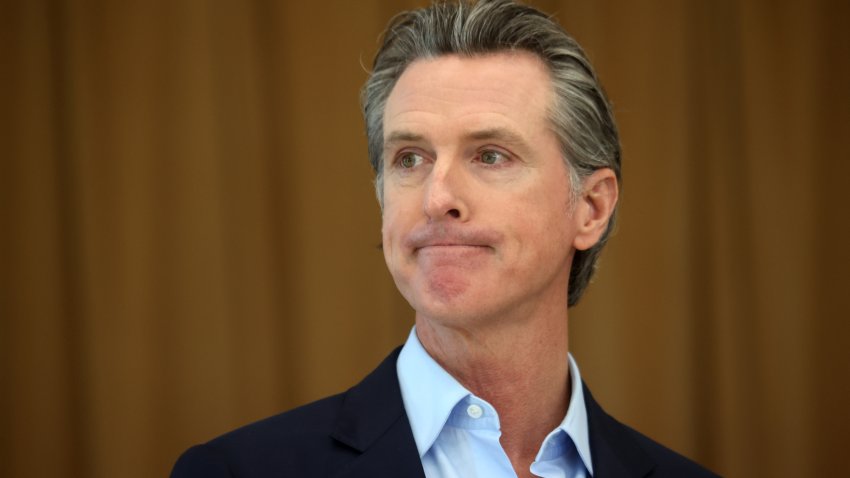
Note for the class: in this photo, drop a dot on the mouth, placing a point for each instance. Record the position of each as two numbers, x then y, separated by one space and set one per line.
452 247
451 240
452 255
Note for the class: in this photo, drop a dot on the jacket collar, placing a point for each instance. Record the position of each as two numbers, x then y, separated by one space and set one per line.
613 448
373 422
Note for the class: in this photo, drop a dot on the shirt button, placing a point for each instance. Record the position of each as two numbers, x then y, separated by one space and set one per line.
474 411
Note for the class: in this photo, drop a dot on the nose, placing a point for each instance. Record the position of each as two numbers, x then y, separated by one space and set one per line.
445 192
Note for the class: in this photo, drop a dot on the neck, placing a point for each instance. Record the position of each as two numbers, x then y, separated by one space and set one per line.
519 367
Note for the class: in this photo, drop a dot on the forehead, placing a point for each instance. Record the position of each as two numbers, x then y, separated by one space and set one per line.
511 89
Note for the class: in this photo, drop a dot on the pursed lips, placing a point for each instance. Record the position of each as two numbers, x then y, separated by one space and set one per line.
451 246
451 253
448 239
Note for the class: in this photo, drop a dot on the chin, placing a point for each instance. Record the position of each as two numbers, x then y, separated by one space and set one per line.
456 310
449 298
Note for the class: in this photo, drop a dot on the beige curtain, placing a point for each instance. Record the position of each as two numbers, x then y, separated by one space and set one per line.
188 231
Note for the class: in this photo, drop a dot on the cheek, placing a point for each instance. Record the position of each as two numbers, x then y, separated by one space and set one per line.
387 241
389 222
543 217
392 232
397 212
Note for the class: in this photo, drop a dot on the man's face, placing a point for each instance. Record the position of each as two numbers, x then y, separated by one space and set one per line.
477 220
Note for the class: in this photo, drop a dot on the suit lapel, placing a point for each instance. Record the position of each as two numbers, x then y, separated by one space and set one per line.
373 422
614 452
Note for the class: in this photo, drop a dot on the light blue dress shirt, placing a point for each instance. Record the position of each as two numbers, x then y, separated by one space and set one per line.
457 434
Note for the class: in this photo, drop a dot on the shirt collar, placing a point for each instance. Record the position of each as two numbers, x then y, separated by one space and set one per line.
575 422
428 391
430 394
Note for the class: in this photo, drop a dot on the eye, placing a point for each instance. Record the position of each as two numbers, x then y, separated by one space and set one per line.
409 160
492 157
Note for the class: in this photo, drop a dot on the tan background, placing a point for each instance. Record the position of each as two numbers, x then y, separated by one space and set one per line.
188 231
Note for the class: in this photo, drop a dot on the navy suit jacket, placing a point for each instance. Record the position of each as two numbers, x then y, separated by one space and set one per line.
364 433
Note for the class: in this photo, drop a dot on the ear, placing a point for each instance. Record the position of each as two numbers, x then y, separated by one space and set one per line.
594 208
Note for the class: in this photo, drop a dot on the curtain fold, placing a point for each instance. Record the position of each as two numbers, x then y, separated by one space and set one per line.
190 233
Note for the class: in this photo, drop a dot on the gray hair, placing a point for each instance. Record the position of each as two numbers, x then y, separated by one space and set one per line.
580 114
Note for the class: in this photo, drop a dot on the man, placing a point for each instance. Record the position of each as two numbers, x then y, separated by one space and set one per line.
497 168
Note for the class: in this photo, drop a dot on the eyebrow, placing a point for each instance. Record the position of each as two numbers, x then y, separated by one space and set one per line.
501 134
401 137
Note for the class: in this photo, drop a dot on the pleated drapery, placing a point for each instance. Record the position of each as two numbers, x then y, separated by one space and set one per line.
189 235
